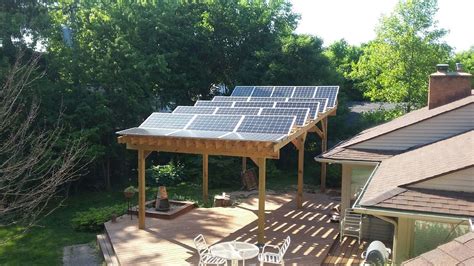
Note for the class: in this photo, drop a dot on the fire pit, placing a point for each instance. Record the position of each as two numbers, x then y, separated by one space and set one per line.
176 208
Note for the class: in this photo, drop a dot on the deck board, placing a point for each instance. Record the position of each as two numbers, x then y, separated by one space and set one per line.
170 242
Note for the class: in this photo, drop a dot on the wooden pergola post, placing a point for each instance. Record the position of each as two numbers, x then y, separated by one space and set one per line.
261 200
324 147
141 189
300 147
205 177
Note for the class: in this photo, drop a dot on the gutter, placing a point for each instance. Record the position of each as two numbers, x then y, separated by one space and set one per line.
326 160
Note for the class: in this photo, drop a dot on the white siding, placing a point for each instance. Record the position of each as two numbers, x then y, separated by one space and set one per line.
433 129
462 180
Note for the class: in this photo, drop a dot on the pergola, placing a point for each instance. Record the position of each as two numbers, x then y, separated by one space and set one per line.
257 151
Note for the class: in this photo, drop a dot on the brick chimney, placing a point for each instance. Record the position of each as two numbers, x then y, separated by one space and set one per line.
446 87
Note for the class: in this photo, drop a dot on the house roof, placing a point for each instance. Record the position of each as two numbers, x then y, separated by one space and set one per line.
460 251
359 154
432 201
396 124
432 160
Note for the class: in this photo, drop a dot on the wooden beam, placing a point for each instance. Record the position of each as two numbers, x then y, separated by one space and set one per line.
141 189
205 177
318 131
324 146
244 164
147 153
299 196
261 201
255 160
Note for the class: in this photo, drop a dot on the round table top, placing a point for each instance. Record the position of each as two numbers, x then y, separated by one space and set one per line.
234 250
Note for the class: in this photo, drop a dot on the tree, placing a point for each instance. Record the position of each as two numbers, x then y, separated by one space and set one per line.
466 58
34 164
342 57
395 66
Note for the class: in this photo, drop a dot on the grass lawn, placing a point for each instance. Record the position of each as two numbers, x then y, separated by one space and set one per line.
43 245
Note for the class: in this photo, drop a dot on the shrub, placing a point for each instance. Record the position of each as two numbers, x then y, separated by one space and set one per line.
93 219
167 175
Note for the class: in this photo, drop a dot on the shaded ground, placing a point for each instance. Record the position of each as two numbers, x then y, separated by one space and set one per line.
81 255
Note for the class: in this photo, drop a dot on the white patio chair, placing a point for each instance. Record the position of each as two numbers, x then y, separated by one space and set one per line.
205 256
274 258
351 225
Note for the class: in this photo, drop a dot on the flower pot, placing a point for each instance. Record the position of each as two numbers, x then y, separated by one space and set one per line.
128 194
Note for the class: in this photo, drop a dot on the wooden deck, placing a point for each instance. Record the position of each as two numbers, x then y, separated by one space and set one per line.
170 242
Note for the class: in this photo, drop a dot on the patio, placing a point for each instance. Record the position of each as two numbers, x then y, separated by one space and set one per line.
170 242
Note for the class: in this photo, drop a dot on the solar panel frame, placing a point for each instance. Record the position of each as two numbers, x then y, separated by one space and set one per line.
300 113
167 121
313 106
253 136
194 110
213 103
242 91
329 92
254 104
262 91
266 124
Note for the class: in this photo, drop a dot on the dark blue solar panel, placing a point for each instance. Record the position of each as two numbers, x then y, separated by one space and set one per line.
300 113
329 92
213 103
229 99
304 92
283 91
253 104
214 122
237 111
266 99
267 124
313 107
194 110
167 120
322 102
242 91
262 91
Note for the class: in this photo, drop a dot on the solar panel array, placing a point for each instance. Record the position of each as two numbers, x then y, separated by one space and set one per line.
329 92
252 113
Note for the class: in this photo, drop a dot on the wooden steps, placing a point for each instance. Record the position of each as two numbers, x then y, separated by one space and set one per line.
107 250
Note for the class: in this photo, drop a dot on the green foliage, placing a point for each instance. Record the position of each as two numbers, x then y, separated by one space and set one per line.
93 219
429 235
167 175
395 66
130 189
466 58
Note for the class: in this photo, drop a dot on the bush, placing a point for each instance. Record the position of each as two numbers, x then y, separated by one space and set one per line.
166 175
93 219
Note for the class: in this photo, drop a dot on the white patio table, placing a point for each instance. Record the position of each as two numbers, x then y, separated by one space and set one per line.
234 251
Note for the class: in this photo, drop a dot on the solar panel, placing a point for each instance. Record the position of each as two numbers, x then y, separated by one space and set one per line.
304 92
214 122
267 99
267 124
237 111
147 131
194 110
300 113
313 107
322 102
213 103
262 91
242 91
329 92
167 120
229 99
283 91
254 104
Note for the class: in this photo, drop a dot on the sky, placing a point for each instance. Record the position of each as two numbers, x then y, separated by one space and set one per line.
355 21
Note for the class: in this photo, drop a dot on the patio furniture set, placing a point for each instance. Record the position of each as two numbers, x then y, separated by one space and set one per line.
235 251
